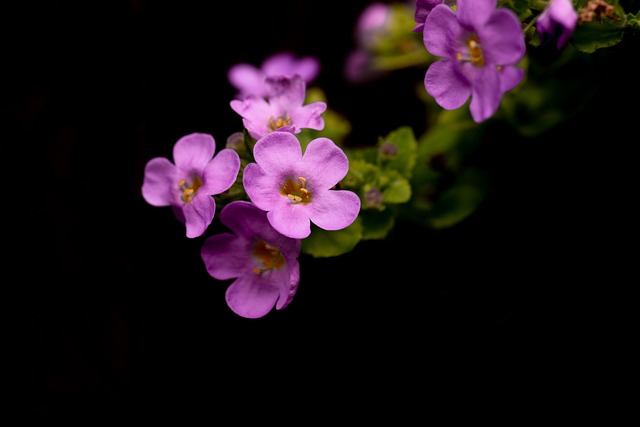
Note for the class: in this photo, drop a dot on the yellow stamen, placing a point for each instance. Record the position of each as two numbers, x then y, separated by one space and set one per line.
296 191
189 191
474 50
270 257
277 123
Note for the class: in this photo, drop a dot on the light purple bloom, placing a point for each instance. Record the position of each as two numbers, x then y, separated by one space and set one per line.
557 22
480 46
372 24
250 80
283 110
263 262
297 189
423 7
189 184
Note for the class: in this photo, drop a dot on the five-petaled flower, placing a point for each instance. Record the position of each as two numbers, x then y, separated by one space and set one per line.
263 262
189 184
250 80
480 46
282 110
557 22
297 189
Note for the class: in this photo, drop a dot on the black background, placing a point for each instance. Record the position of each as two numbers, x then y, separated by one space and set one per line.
120 312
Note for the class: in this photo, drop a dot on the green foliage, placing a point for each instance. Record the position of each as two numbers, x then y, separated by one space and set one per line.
446 186
592 36
324 243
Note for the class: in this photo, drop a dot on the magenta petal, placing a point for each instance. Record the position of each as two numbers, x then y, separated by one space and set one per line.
193 152
441 27
262 189
247 220
502 38
325 162
286 91
475 13
446 85
510 77
281 63
334 209
277 152
225 256
251 297
309 116
247 79
290 220
486 96
221 172
287 293
198 214
308 68
160 184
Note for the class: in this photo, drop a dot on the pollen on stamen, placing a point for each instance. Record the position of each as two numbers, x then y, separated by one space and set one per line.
277 123
296 191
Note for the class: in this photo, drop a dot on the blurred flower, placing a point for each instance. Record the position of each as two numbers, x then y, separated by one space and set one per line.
423 7
384 42
263 262
297 189
557 22
283 109
187 185
250 80
480 46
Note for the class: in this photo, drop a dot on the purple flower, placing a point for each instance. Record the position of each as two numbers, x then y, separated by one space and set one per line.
188 185
557 22
423 7
297 189
372 25
250 80
263 262
283 109
480 46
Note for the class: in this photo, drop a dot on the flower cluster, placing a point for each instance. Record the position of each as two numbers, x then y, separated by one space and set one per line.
288 182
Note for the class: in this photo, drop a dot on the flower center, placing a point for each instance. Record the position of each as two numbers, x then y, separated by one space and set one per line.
474 52
296 191
189 189
270 257
277 123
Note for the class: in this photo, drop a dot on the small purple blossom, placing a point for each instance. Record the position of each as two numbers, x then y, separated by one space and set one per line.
480 46
250 80
423 7
557 22
263 262
189 184
297 189
372 24
283 110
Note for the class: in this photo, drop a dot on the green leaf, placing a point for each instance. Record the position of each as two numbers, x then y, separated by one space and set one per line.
324 243
592 36
395 188
458 201
360 174
377 224
397 151
633 21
